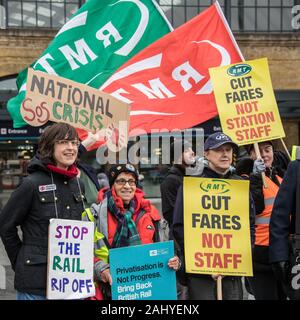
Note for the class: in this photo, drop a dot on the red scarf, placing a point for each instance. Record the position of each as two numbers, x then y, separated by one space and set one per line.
72 171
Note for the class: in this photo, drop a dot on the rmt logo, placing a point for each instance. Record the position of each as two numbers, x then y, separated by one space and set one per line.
296 17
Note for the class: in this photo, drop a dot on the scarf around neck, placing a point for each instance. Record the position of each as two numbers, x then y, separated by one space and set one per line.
126 234
72 171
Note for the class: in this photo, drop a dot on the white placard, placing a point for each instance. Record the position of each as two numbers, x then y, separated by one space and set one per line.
70 259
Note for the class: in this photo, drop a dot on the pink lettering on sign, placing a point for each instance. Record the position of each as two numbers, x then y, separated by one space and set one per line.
68 232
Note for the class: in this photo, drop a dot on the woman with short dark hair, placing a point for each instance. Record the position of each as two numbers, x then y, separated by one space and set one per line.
51 190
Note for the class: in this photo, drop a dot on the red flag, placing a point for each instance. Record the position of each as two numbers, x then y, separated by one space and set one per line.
168 82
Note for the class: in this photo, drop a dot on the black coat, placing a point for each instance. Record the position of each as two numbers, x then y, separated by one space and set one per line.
285 205
168 188
31 208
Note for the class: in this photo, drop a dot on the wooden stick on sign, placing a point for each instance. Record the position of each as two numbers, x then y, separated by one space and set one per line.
219 288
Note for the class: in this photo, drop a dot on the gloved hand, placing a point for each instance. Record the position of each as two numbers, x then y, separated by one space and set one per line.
197 168
280 270
259 166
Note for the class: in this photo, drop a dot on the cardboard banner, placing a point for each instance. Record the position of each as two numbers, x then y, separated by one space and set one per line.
216 227
70 259
142 272
57 99
246 103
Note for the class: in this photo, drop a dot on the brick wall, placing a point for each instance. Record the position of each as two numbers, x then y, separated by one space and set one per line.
19 48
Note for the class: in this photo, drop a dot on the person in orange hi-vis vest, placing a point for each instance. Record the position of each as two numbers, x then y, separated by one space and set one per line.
263 285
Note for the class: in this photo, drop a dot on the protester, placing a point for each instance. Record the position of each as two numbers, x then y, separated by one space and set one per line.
122 218
169 187
282 224
51 190
174 177
263 284
218 152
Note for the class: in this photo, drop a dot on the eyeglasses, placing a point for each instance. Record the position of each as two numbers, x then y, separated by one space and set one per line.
65 143
122 182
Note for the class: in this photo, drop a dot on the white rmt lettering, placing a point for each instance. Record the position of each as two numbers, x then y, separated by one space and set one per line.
183 73
82 49
157 90
44 63
106 32
118 94
206 89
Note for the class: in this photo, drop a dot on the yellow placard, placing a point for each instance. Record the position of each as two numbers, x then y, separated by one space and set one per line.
246 103
216 227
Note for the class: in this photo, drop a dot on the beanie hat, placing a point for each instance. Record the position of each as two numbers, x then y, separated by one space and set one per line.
117 169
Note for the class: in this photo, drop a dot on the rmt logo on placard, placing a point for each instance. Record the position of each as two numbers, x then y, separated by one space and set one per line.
296 17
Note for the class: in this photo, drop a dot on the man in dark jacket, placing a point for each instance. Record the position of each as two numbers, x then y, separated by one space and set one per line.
282 224
218 151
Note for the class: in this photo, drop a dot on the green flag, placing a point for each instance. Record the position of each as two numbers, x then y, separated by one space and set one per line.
95 42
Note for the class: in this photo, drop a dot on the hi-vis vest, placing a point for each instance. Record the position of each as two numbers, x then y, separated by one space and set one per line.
262 220
100 234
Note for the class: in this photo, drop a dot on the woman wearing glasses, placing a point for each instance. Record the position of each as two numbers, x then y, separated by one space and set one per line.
51 190
123 218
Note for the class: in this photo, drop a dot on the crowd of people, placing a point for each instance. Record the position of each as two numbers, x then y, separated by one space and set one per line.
59 185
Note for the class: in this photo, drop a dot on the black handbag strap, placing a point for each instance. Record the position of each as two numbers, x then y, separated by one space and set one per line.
297 217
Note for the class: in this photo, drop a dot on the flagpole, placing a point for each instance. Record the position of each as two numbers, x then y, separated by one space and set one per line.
222 16
219 288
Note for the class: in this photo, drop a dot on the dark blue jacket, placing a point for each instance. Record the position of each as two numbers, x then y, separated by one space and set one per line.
285 205
178 229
